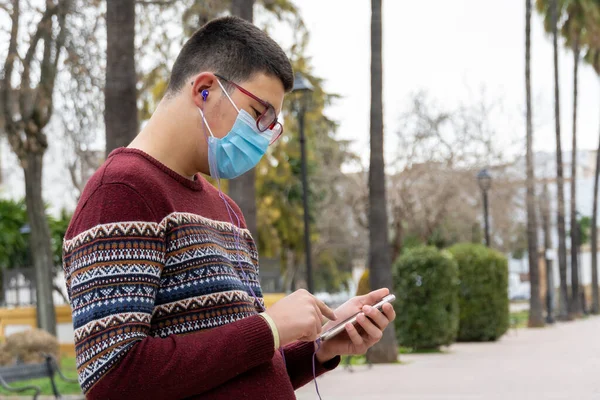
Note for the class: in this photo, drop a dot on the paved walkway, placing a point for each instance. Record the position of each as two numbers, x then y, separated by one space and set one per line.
558 362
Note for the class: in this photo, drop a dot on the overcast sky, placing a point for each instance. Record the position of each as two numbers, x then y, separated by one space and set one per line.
451 49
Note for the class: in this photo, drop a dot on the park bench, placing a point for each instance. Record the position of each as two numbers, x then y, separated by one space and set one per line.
21 372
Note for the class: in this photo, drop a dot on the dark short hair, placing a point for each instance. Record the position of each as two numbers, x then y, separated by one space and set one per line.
233 48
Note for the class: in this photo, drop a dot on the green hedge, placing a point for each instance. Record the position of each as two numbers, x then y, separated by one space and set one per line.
426 287
484 308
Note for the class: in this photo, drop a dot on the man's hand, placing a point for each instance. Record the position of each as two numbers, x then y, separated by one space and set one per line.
357 339
299 316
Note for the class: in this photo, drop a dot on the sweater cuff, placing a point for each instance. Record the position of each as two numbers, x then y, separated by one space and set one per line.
299 362
306 350
257 333
273 327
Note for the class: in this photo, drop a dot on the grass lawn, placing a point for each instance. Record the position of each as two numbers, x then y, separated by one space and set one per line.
410 350
67 367
519 319
354 360
362 360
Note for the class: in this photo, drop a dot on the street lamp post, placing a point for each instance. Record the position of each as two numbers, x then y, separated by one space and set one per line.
25 230
578 233
485 183
549 254
304 88
549 287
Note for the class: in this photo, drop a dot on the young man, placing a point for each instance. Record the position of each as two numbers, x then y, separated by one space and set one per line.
162 273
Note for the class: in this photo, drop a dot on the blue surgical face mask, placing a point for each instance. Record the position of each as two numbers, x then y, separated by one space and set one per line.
240 150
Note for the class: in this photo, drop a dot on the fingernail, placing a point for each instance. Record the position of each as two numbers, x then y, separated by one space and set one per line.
367 308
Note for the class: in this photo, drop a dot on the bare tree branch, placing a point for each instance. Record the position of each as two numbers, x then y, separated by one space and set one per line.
43 27
60 292
4 7
5 85
43 104
64 8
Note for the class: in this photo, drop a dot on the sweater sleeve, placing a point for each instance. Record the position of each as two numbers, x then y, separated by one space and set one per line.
113 270
299 363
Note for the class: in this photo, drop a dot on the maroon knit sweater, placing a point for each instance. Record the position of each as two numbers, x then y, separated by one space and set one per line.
159 283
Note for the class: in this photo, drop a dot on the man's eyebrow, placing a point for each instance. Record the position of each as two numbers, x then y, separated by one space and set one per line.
270 105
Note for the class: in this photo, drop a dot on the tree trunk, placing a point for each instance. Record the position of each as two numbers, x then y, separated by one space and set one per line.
120 93
536 317
40 241
560 215
26 137
1 162
594 239
380 274
243 190
243 9
576 306
399 235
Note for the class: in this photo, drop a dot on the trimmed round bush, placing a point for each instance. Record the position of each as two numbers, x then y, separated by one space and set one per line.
6 358
426 288
483 298
29 346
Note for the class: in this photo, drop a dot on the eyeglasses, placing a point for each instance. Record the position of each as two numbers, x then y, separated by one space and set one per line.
267 119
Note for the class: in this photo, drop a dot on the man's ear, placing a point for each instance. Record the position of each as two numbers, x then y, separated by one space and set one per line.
202 85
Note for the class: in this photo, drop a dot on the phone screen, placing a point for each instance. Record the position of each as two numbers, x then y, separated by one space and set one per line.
341 326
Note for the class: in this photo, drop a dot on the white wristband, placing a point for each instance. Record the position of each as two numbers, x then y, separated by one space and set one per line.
273 327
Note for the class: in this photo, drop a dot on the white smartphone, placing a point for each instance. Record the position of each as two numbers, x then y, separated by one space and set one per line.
342 325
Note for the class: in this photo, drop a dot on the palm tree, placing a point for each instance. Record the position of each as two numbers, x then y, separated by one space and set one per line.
592 56
572 30
594 238
379 249
536 317
550 10
120 93
243 189
562 247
